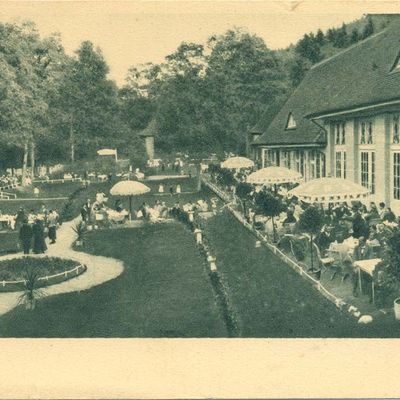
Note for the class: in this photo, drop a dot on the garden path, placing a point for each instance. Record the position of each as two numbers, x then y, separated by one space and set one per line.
99 269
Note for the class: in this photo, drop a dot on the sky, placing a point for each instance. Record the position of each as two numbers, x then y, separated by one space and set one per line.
135 32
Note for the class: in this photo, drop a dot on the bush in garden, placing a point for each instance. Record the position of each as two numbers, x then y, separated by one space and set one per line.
270 206
243 191
311 222
387 272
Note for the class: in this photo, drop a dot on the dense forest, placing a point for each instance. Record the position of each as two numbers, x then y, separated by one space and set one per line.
203 97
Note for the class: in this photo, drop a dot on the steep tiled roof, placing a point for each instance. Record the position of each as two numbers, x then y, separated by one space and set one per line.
363 74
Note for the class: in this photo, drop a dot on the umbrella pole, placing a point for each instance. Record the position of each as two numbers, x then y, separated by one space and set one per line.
130 208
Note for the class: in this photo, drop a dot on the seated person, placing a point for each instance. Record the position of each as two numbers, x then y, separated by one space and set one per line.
118 206
341 211
290 218
363 251
389 215
341 231
373 212
163 210
360 226
382 209
324 238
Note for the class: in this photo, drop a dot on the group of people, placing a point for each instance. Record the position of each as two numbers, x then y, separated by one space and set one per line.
9 180
34 228
172 190
90 209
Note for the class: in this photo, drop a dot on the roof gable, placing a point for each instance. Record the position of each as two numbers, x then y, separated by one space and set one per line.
358 76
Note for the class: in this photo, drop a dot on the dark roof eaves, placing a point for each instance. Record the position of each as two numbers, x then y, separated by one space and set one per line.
350 110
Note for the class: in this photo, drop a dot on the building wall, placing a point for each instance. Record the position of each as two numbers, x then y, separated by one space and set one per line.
311 163
378 156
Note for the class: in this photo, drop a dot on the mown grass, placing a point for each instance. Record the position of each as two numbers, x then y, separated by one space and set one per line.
47 190
164 291
270 299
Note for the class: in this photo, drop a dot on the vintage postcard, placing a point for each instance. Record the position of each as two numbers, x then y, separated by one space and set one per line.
199 199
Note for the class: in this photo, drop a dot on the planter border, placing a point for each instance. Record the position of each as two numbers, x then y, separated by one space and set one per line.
48 280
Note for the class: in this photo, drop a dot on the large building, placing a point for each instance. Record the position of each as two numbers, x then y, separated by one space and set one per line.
342 120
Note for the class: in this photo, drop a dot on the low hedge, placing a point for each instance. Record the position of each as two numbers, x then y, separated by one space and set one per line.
50 270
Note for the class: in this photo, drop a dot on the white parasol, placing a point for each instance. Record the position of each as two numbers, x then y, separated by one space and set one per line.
237 163
274 176
330 190
129 188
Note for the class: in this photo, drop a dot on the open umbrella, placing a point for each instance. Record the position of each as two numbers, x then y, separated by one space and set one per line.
330 190
129 188
274 176
237 163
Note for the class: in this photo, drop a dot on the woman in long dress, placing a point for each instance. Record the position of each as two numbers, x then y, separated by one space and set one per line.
39 244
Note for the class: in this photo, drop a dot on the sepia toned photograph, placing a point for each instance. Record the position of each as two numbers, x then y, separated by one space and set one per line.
198 174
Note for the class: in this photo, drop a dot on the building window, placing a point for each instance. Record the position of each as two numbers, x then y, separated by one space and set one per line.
340 164
273 158
300 161
368 170
319 165
396 176
286 159
395 130
366 132
340 133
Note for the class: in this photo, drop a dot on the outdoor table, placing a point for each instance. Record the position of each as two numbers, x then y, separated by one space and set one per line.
351 242
368 266
116 216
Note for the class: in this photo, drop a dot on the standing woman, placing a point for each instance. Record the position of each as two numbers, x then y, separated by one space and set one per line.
52 221
25 236
39 244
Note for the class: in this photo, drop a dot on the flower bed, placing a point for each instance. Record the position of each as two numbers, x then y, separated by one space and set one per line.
49 270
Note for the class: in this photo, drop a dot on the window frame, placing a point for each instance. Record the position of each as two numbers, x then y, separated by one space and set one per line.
368 176
366 136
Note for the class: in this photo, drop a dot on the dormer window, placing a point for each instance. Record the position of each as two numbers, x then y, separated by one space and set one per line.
291 123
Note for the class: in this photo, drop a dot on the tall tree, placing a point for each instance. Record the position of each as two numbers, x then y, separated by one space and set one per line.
88 102
369 28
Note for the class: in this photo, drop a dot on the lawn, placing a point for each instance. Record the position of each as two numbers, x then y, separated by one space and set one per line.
270 299
47 190
164 291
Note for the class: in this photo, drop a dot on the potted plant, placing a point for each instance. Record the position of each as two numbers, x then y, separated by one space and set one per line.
81 231
31 293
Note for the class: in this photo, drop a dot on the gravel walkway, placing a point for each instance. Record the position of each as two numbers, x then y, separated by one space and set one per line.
99 269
